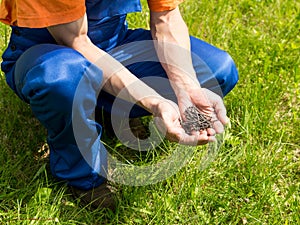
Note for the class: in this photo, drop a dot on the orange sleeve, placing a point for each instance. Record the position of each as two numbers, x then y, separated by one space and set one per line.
163 5
40 13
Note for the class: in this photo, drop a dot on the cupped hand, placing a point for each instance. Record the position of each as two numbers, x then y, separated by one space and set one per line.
167 119
208 103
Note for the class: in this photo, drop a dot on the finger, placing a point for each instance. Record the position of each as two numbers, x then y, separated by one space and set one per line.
200 137
221 111
212 139
211 132
183 138
205 137
177 133
218 127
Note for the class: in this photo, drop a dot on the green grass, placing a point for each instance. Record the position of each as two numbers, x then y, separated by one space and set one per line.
254 179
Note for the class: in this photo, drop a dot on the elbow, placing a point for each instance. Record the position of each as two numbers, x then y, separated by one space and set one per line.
79 42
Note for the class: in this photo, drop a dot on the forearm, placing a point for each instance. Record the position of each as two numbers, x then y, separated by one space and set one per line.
117 80
173 48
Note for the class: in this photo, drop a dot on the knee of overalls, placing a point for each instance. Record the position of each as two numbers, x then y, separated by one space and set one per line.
48 77
215 68
226 73
49 74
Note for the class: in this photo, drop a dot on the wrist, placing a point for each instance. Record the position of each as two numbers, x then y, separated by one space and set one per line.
182 79
151 103
184 88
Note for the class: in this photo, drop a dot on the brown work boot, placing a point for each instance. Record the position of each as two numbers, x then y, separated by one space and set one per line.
102 196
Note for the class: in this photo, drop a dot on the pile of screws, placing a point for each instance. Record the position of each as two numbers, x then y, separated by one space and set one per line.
195 120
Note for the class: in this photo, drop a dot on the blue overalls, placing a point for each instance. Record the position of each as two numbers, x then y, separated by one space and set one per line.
46 76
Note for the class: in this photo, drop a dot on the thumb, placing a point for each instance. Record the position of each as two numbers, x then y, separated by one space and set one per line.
221 112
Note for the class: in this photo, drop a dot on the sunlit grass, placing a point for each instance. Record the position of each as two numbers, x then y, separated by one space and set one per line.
254 178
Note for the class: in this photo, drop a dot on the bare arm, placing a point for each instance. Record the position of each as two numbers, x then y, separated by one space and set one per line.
116 77
173 48
74 35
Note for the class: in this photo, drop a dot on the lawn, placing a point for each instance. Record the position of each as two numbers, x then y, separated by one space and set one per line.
255 175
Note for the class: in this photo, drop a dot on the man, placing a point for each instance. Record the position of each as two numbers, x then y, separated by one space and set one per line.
58 46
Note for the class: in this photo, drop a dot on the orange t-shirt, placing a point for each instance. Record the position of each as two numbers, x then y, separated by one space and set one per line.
44 13
163 5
